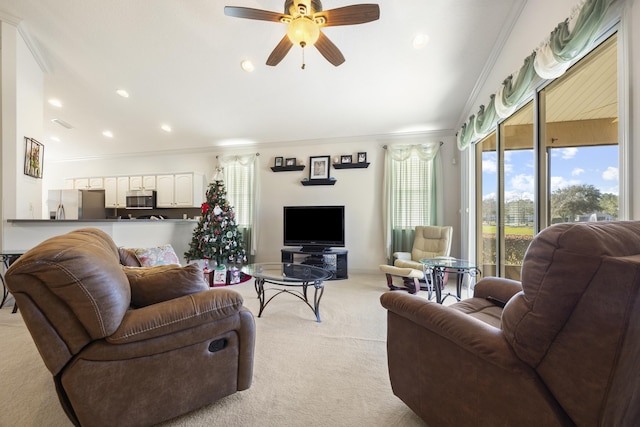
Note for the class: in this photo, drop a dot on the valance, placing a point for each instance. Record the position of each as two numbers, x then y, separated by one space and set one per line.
569 40
425 152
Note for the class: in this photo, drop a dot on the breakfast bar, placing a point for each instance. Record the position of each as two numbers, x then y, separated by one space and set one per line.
23 234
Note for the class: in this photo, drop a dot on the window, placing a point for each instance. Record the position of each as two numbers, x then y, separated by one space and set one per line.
567 172
239 180
242 193
411 192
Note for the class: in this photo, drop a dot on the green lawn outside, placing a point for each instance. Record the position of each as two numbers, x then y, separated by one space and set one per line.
522 231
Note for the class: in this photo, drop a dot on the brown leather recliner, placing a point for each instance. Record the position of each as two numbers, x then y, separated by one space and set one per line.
563 351
116 365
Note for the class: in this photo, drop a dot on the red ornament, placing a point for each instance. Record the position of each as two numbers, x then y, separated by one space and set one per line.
205 207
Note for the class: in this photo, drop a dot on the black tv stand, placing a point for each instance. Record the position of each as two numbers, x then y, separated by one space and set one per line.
334 260
314 249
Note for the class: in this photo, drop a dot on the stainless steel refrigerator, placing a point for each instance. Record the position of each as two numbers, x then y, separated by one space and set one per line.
76 204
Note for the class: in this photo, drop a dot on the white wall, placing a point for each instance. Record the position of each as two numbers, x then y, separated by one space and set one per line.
22 115
360 190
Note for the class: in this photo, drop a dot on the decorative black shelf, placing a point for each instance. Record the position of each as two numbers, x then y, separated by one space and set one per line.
287 168
319 182
351 165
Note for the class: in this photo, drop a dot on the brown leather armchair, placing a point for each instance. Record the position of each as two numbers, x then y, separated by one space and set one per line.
117 365
563 351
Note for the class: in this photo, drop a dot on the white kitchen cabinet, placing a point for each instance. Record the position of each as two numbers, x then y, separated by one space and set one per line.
164 191
179 190
115 191
88 183
142 182
81 183
96 183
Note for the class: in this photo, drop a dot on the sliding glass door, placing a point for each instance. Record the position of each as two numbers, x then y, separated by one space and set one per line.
579 140
567 171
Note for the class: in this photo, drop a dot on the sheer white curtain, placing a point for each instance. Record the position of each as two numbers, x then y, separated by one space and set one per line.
241 180
412 192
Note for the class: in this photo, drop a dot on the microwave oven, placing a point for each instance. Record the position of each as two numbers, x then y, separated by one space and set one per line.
141 199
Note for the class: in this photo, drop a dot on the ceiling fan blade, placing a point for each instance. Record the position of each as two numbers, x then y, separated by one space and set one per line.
280 51
249 13
349 15
329 50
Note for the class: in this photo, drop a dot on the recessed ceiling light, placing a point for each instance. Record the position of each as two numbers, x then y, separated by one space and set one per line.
55 102
123 93
247 65
107 133
420 41
166 128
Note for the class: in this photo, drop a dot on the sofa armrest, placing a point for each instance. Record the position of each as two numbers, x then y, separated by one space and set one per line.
402 255
468 333
176 315
497 288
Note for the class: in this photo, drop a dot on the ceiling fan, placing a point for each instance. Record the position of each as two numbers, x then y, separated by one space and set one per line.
304 19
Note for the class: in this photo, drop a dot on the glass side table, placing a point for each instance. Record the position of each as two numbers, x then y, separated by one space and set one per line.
435 269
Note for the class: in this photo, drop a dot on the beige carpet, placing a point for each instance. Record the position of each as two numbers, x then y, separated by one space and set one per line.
306 373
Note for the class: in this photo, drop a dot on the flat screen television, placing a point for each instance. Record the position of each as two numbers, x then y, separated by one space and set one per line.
314 227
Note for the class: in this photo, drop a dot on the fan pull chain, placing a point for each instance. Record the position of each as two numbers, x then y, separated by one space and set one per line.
303 44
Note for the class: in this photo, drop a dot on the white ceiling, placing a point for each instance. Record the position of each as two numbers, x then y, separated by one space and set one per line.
180 62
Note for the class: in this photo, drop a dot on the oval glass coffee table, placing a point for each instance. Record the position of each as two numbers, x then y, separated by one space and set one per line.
288 278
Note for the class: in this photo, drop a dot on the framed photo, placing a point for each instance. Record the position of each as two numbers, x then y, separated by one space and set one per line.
33 157
319 167
278 162
346 159
362 157
291 161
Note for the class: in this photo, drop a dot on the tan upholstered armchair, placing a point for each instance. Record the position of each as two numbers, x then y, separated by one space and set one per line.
563 351
129 346
430 241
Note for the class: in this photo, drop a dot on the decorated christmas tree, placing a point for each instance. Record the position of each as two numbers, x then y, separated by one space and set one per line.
216 236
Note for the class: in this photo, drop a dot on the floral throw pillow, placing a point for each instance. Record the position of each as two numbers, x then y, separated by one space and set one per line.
161 255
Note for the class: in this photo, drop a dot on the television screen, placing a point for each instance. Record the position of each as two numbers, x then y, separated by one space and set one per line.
314 227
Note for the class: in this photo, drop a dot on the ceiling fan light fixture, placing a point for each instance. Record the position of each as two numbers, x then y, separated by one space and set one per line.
303 31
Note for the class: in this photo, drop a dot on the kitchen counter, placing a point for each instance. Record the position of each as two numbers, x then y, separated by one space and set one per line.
66 221
21 234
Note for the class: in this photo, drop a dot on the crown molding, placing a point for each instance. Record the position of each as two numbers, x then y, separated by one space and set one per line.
6 18
33 47
9 19
382 139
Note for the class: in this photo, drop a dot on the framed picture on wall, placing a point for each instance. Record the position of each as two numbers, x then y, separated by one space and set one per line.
33 157
362 157
319 167
278 162
291 161
346 159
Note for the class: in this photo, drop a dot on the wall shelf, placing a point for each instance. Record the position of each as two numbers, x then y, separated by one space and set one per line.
287 168
351 165
319 182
